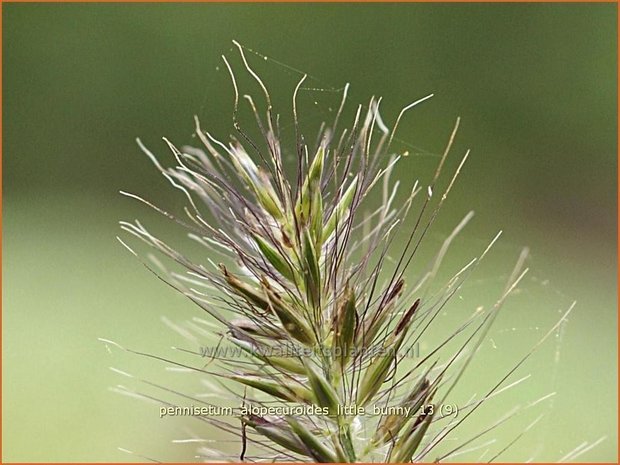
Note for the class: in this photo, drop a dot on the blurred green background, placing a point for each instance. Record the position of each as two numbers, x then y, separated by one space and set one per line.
535 85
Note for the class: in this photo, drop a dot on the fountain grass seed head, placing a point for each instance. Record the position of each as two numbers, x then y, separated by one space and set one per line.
305 294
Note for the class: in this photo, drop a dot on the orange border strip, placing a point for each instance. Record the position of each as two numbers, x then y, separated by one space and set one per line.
1 229
617 2
303 1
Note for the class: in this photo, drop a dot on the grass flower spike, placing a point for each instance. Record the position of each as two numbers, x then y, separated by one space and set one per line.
306 289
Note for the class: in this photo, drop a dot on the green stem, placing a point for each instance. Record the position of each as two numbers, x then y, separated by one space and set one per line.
344 435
